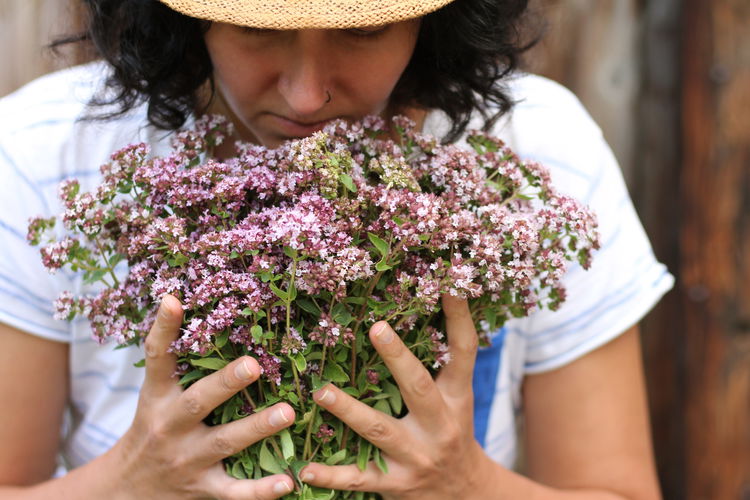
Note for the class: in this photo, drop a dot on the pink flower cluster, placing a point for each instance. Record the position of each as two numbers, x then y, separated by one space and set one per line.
288 254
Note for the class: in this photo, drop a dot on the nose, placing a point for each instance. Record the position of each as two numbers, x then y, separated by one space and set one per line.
304 80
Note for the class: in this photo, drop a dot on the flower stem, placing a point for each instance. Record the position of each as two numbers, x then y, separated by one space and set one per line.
297 384
308 437
106 261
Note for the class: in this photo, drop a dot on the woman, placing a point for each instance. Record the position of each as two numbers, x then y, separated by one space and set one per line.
281 70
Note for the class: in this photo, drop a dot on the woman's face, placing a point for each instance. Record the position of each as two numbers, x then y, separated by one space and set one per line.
277 85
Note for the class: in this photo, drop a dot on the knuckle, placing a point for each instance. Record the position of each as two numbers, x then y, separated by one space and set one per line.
422 384
156 430
355 483
151 347
377 431
426 468
466 346
177 461
449 438
191 401
222 442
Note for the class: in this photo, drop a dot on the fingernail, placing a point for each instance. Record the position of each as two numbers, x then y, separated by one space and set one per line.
307 476
242 371
278 418
163 310
282 487
327 397
384 335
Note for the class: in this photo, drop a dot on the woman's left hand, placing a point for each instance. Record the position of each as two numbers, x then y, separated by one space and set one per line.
431 452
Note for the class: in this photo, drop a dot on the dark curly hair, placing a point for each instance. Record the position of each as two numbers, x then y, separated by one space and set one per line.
158 55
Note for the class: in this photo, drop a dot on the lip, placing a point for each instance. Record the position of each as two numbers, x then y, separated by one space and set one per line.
295 129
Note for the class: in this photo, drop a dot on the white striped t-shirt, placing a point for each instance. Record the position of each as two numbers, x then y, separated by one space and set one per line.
42 142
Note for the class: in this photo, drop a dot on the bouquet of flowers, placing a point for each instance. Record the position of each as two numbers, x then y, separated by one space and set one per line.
289 255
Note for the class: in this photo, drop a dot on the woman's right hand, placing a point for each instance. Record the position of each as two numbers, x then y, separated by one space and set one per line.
169 452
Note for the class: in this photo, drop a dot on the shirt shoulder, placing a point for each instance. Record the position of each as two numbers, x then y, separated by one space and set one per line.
59 96
43 141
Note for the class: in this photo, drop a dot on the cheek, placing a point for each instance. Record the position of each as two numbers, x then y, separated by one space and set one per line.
232 73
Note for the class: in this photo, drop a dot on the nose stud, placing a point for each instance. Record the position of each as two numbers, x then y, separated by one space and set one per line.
328 95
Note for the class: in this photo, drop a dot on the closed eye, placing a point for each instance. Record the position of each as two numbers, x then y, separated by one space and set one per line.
258 31
369 31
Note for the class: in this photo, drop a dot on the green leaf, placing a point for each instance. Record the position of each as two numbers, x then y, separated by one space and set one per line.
395 396
293 398
348 182
341 314
257 332
290 252
335 373
341 355
229 408
279 292
287 445
321 494
379 461
267 460
191 376
380 245
115 259
383 406
364 455
221 340
177 260
308 306
299 361
336 457
210 363
352 391
247 311
296 466
382 266
93 276
238 470
317 383
377 397
140 364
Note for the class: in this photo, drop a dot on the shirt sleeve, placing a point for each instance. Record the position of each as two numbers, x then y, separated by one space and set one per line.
27 289
625 280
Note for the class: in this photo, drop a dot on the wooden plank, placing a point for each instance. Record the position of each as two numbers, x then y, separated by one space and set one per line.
715 240
591 47
656 175
26 28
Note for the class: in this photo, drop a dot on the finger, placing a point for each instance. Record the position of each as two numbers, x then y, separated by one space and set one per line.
224 487
455 377
344 477
200 399
225 440
417 387
375 426
160 363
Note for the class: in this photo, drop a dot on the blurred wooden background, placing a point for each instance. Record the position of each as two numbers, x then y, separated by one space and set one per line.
669 82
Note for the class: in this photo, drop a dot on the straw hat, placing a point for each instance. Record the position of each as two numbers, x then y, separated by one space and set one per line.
299 14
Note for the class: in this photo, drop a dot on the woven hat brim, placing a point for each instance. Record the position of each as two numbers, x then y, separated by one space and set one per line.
304 14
